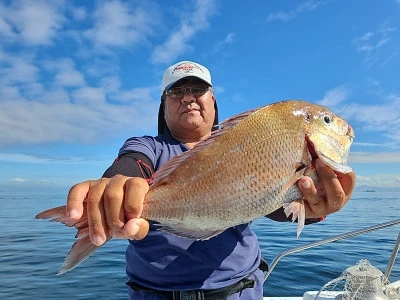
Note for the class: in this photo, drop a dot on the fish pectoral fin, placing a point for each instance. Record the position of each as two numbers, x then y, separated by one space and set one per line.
297 209
296 176
189 233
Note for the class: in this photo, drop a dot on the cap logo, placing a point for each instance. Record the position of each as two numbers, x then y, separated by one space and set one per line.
186 68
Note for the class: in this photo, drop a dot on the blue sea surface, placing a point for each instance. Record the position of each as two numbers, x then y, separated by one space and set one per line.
32 251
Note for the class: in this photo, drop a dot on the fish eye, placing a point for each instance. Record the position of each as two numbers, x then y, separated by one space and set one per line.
327 119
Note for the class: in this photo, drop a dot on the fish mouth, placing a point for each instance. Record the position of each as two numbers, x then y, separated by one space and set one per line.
340 167
311 149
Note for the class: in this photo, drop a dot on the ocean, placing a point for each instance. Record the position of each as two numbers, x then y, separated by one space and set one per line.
32 251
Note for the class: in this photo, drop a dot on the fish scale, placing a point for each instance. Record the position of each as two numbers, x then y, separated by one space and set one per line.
245 170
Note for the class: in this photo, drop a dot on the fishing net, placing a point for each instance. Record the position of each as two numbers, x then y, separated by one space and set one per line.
360 282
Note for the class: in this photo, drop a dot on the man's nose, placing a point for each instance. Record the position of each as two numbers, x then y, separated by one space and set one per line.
188 97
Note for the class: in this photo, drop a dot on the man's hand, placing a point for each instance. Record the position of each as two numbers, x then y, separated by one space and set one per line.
336 189
114 206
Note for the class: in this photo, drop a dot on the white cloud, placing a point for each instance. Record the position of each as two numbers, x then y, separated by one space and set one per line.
383 117
19 179
379 180
121 24
29 122
18 70
66 73
374 45
6 31
136 94
69 77
375 87
374 158
335 96
20 79
111 84
369 144
37 159
89 96
367 36
178 42
379 117
284 16
220 46
79 13
33 22
368 42
22 158
43 101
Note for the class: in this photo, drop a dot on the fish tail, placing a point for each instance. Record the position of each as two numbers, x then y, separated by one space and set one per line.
83 247
58 214
80 251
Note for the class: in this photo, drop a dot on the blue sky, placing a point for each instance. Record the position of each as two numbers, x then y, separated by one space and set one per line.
77 78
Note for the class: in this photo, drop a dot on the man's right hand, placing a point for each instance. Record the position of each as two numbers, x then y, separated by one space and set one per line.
114 206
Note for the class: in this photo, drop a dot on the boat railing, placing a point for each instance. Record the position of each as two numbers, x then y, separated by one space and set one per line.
341 237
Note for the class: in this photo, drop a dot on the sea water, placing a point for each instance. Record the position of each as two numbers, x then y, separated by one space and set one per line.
32 251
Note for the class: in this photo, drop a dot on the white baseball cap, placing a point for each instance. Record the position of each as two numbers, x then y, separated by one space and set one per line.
184 69
175 73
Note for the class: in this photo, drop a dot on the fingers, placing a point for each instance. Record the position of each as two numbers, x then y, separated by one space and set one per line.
113 205
136 229
98 229
335 196
117 205
348 181
135 190
314 203
309 190
335 191
76 196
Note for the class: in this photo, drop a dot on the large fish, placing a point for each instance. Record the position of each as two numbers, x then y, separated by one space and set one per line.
245 170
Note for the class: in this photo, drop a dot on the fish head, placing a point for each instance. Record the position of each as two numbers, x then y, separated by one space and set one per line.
329 137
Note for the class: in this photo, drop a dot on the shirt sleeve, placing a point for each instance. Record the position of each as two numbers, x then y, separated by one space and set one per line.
280 216
143 145
132 164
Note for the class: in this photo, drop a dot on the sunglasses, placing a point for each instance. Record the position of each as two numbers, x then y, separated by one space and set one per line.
196 91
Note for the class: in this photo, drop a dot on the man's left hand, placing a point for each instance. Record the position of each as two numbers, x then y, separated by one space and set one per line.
336 190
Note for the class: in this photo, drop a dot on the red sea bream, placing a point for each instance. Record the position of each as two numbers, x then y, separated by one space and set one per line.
246 169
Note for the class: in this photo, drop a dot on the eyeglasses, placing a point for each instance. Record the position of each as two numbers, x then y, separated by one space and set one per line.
196 91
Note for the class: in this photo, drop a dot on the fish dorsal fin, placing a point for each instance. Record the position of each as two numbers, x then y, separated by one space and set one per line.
173 163
230 122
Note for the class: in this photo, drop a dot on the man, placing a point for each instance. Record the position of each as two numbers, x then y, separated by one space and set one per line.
165 266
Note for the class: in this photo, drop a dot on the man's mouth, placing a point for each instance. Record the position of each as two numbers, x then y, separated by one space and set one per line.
190 109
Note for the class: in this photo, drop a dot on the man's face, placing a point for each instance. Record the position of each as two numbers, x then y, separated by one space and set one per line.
192 113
